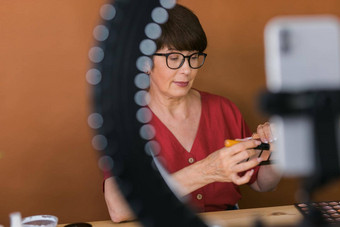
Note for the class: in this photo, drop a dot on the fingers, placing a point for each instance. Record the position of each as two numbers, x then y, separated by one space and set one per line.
264 132
245 155
244 166
242 146
243 151
239 180
228 162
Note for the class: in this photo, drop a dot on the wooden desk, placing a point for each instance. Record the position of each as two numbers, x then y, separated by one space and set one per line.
271 216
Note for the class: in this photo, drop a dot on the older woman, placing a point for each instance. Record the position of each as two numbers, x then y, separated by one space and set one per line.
192 125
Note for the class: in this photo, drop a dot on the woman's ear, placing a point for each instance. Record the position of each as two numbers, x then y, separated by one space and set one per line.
144 64
148 68
148 65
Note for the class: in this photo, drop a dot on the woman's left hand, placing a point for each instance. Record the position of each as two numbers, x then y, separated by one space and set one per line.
268 177
264 133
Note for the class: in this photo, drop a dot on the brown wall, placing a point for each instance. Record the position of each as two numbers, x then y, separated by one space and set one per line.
47 164
235 68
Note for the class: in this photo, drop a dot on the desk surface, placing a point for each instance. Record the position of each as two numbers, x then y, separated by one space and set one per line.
270 216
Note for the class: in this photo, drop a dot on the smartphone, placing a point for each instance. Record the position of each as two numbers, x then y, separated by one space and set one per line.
302 53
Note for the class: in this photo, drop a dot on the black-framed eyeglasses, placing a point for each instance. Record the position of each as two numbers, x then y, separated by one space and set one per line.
176 60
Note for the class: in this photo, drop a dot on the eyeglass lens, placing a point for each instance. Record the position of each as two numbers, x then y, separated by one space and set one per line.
176 60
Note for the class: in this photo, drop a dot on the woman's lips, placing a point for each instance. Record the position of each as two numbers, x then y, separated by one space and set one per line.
181 84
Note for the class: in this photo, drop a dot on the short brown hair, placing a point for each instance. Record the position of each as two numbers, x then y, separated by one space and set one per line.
182 31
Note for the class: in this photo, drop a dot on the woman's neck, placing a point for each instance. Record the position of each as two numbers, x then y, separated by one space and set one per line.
175 107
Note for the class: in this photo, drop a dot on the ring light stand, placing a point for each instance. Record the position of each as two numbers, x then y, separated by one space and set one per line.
124 41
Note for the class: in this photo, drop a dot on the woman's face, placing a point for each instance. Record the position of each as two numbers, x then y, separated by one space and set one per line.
173 83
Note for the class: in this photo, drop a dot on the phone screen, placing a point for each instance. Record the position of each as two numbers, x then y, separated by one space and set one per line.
302 54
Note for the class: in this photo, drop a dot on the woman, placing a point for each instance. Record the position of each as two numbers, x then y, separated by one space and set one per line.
191 127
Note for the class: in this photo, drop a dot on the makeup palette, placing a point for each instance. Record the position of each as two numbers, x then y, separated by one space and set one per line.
330 210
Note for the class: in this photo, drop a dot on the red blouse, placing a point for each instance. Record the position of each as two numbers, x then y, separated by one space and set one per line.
220 120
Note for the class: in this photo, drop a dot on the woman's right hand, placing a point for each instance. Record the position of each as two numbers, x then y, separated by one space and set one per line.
224 165
227 164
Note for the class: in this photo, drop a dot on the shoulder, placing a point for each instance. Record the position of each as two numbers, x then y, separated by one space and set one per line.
220 111
217 101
